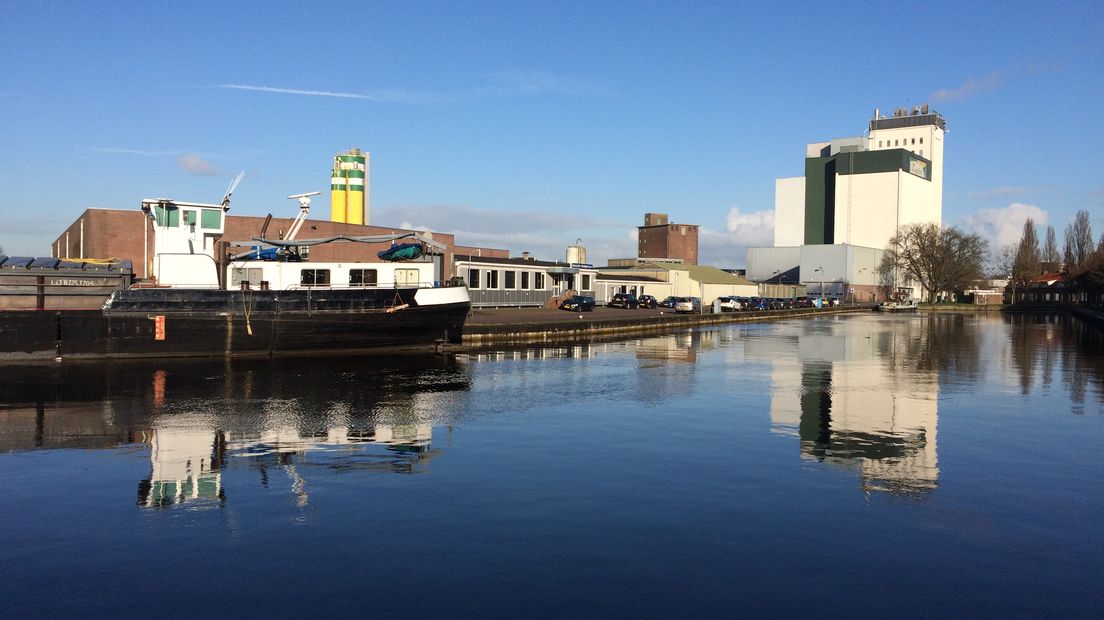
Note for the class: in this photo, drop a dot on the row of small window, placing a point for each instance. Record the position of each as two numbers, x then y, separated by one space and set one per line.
895 142
509 279
321 277
308 277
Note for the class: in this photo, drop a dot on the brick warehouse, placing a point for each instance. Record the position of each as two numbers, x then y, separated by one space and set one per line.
659 239
128 234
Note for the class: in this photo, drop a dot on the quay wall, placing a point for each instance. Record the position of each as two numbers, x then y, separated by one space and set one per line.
539 332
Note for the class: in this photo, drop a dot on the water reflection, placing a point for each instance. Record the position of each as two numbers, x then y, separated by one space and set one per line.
1042 345
840 388
200 418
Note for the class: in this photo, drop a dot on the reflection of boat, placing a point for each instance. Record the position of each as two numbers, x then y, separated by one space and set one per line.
265 301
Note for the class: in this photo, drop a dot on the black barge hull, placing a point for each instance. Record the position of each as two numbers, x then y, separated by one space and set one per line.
214 323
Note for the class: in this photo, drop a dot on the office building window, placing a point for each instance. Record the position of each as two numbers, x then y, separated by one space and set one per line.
492 278
525 280
510 280
473 278
586 282
921 140
538 281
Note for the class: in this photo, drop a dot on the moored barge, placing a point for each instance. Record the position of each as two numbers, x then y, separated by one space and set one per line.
268 301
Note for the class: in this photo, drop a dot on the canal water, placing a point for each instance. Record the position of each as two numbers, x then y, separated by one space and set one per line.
907 466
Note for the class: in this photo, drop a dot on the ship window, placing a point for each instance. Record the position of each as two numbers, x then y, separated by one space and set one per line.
189 218
314 277
510 280
363 277
252 275
524 280
210 219
473 278
538 281
167 216
407 276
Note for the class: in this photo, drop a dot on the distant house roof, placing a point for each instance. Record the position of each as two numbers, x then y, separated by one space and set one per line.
1049 279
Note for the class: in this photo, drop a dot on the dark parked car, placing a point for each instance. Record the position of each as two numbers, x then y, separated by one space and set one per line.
624 300
647 301
578 303
668 302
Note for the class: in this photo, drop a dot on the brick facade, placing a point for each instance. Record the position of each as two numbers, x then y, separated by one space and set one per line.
668 241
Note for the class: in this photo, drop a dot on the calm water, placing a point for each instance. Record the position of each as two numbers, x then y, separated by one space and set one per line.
849 466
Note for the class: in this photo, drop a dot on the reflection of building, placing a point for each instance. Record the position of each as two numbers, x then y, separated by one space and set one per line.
185 466
848 408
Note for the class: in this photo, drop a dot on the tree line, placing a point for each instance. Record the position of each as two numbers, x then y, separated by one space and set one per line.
949 259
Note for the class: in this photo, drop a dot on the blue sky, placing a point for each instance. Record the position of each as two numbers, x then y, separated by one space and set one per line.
528 125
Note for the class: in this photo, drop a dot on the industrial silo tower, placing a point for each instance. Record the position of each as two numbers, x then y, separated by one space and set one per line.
349 187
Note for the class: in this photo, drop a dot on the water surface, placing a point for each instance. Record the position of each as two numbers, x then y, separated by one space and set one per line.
944 465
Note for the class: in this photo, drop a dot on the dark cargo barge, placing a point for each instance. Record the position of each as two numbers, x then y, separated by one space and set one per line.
265 302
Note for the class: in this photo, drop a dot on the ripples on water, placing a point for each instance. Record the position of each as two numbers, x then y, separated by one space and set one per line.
926 464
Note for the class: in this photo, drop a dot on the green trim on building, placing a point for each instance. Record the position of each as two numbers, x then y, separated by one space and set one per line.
885 160
820 200
352 174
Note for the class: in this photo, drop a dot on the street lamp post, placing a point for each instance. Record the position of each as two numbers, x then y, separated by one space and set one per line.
820 296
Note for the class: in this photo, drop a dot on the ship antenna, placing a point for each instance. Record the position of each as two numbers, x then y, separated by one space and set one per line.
230 190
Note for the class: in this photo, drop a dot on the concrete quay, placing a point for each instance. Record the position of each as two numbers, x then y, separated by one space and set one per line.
492 326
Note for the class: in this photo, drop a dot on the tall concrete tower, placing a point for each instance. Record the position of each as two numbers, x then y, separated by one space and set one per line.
921 132
349 187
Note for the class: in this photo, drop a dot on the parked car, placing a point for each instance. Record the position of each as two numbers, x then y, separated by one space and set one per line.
578 303
730 304
668 302
624 300
647 301
688 304
758 303
803 302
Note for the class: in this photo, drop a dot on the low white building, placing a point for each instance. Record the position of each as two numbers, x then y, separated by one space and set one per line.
525 281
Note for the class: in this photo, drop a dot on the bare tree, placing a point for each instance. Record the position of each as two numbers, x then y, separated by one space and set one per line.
1026 263
944 259
1050 251
1000 262
1067 248
1082 238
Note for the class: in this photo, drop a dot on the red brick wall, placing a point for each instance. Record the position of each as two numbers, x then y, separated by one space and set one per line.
107 233
465 250
670 241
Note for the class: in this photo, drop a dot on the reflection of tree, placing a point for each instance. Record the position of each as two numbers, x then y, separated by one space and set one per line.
943 345
1050 342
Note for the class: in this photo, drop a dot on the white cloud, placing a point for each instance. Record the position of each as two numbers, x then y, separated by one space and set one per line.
972 86
195 164
742 230
1005 225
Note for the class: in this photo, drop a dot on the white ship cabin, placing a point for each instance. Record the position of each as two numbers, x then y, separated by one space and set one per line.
186 233
184 236
278 275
